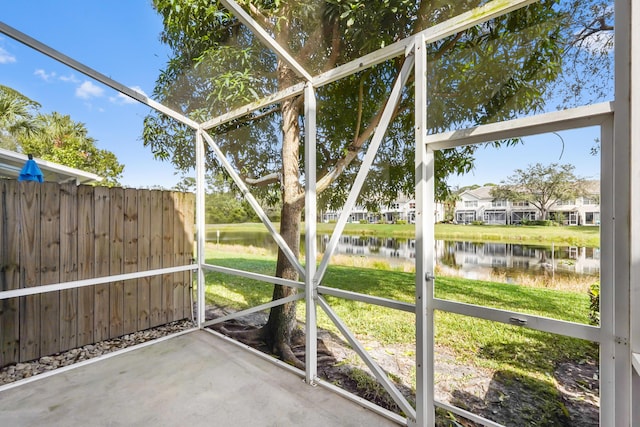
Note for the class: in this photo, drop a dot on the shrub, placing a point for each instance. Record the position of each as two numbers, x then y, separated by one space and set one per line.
364 221
594 304
477 222
542 222
401 221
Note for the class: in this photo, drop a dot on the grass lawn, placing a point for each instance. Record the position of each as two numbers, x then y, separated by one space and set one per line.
530 234
525 353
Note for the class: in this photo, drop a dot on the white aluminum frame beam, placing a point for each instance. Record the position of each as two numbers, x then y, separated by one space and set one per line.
380 375
539 323
607 275
90 72
372 150
201 232
425 236
622 156
369 299
634 137
254 276
460 23
449 27
282 95
268 41
265 306
255 205
311 250
591 115
36 290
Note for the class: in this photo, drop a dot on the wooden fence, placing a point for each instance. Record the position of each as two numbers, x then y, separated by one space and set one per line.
53 233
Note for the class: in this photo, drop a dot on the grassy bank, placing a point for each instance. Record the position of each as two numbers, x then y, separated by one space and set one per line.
526 354
571 236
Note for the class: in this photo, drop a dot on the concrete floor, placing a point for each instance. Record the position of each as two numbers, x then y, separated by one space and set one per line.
196 379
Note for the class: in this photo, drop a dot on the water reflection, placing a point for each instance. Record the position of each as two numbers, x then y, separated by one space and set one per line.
513 258
471 259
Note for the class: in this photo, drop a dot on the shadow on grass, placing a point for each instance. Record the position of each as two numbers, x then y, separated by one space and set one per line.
515 400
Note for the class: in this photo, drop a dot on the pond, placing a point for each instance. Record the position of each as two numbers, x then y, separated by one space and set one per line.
468 259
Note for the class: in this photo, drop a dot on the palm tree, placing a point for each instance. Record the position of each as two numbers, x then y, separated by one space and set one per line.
16 117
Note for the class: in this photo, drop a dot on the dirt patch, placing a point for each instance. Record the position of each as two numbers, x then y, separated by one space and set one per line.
499 396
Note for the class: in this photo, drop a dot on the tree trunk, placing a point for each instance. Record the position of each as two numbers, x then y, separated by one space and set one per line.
281 325
282 319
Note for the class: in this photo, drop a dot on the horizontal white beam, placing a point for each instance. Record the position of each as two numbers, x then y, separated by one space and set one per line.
539 323
265 306
254 276
35 290
635 360
449 27
286 250
239 112
591 115
354 296
60 57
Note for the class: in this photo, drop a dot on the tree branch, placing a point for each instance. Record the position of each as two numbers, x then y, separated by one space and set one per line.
264 180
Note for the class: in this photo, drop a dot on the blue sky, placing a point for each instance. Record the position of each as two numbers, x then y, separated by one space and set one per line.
121 40
573 147
117 38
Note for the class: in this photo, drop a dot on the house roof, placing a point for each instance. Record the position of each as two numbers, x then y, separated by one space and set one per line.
480 193
11 163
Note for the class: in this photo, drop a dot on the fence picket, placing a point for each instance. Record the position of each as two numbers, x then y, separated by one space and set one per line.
49 267
10 272
188 206
130 260
167 256
155 259
86 263
178 256
144 242
29 268
116 262
102 201
68 265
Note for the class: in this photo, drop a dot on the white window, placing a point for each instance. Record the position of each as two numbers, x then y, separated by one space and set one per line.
470 203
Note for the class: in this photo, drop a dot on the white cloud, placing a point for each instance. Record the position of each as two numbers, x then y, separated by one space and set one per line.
89 90
69 79
44 75
6 57
124 99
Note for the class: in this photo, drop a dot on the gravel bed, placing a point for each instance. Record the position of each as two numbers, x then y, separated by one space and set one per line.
18 371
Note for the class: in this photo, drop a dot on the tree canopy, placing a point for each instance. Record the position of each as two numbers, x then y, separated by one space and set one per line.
494 71
541 186
488 73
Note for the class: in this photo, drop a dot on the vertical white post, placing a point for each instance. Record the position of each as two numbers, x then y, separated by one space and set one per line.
607 280
425 208
201 232
311 286
622 211
634 131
